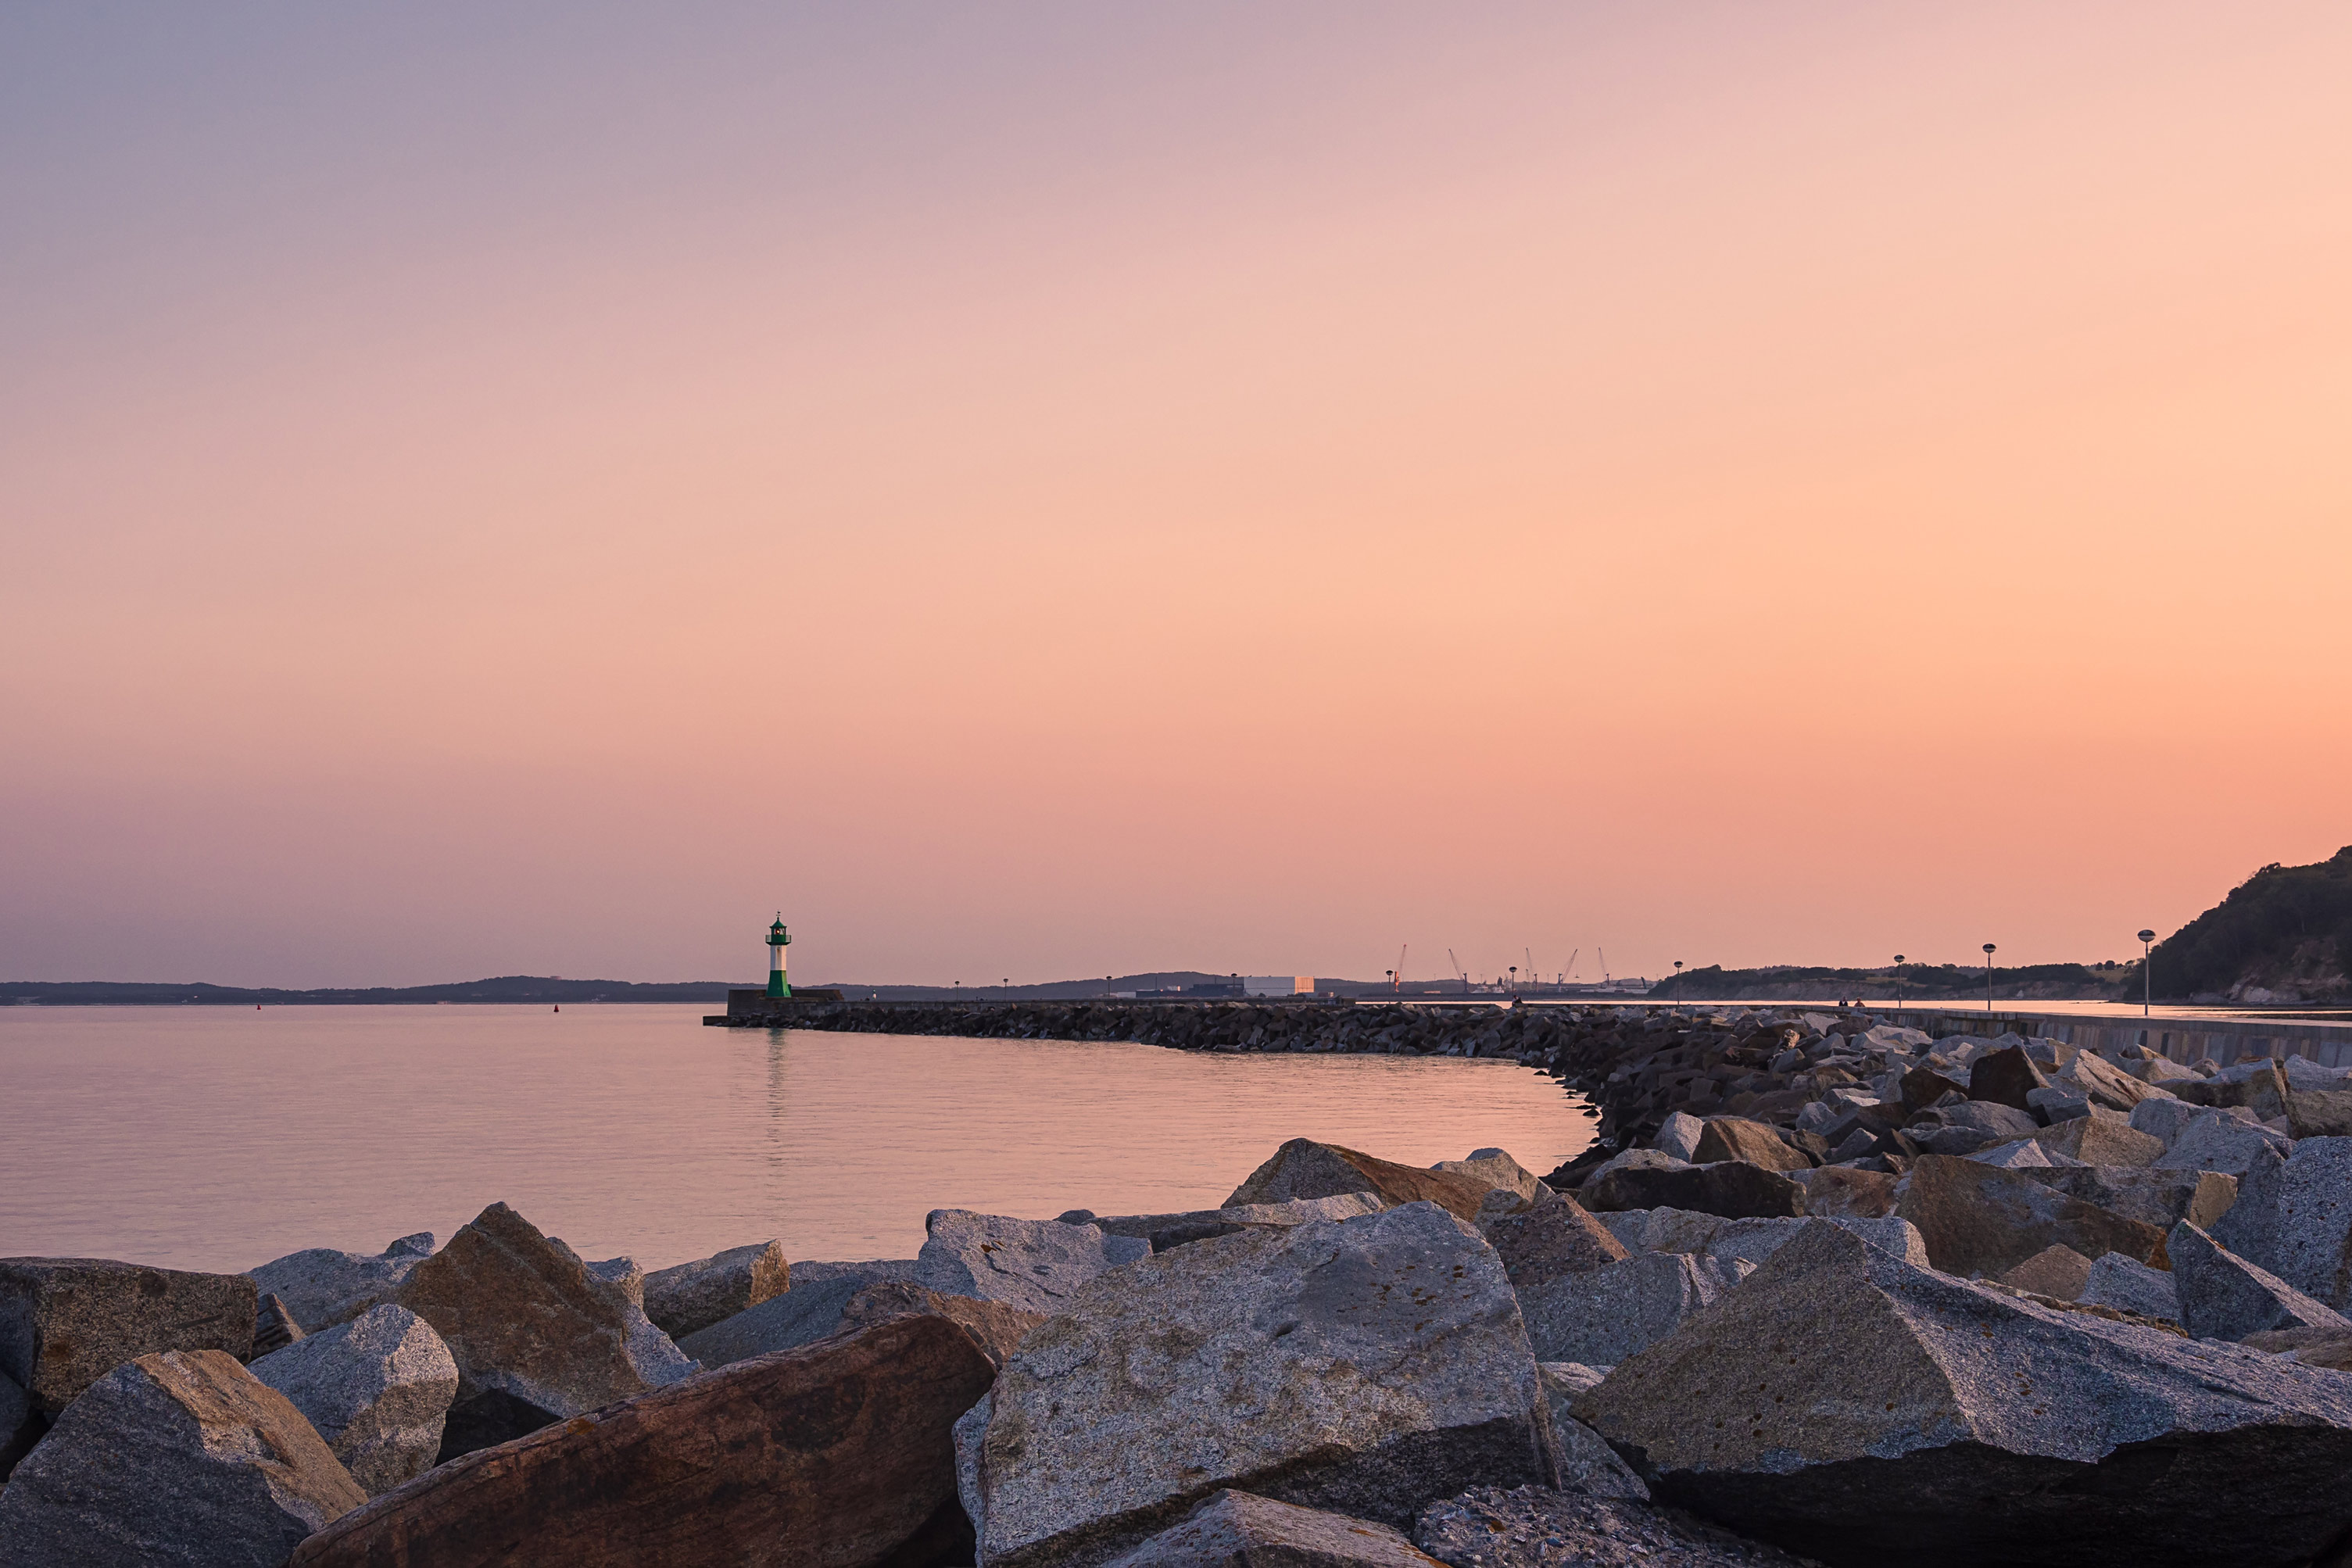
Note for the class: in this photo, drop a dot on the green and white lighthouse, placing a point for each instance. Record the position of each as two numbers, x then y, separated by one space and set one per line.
779 939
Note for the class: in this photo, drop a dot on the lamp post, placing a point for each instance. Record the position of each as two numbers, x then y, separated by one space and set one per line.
1391 974
1515 980
1898 983
1989 951
2147 979
1678 980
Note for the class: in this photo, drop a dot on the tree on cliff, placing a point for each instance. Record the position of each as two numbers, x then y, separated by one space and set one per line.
2286 928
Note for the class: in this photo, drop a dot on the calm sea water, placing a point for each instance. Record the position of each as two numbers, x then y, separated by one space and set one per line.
217 1138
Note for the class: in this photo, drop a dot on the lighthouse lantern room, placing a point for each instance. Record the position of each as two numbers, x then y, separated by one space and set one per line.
779 939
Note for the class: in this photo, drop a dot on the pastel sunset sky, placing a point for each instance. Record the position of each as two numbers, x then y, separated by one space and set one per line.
1036 490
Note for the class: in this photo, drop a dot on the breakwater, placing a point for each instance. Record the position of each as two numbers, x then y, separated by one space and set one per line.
1634 1064
1581 1047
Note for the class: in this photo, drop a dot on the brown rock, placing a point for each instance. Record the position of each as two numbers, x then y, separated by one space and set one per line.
1732 1188
1737 1138
65 1322
831 1455
1981 1219
1303 1168
2101 1138
536 1336
2105 1083
997 1328
1496 1169
274 1327
2058 1271
1546 1240
1923 1086
180 1457
2261 1093
2329 1348
2006 1077
2158 1198
1836 1192
2316 1113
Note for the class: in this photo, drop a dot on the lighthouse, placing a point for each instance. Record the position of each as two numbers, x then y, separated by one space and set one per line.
779 939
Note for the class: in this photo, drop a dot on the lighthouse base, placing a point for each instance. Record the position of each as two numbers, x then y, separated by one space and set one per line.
744 1002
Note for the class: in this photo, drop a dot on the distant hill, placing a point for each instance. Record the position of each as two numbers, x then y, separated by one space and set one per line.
541 988
2282 935
1910 982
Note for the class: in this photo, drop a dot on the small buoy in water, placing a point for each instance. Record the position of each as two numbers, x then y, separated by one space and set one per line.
558 1007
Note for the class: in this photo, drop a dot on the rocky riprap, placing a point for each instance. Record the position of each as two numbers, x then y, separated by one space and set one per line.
1828 1293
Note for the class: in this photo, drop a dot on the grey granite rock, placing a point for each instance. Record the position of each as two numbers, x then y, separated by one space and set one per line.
322 1287
1606 1314
377 1389
1752 1241
1569 1378
1587 1464
1530 1527
627 1274
2058 1102
2219 1139
2293 1217
1678 1135
182 1458
2224 1297
1238 1530
2021 1153
20 1425
2128 1285
1662 1229
801 1315
871 1271
2165 1119
1365 1366
1639 1160
1174 1230
810 1311
691 1296
1034 1265
65 1322
1847 1406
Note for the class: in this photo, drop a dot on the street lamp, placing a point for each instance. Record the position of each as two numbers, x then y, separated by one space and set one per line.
1989 949
1515 980
1898 983
1391 974
1678 980
2147 980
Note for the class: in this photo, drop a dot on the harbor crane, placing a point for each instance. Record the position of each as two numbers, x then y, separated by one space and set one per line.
1463 974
